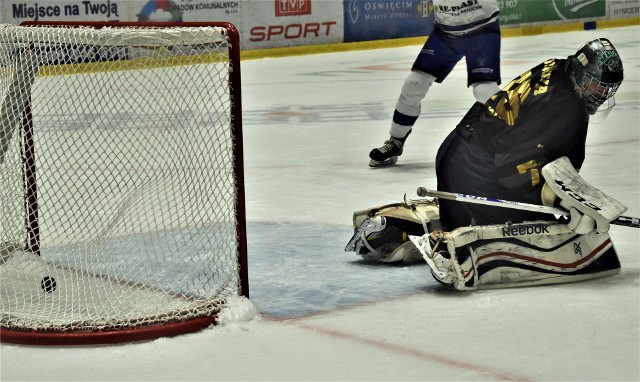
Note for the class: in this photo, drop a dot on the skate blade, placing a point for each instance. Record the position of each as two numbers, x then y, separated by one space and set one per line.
385 163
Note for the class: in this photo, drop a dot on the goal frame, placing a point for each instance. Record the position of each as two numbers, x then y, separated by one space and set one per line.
40 337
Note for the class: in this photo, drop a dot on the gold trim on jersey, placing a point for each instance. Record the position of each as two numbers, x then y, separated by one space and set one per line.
508 101
535 171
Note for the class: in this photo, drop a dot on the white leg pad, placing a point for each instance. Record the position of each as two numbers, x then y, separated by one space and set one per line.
531 253
412 216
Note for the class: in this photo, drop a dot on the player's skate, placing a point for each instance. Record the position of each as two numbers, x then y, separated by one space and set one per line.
387 154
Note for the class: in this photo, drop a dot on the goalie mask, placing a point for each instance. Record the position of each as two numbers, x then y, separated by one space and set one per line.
597 71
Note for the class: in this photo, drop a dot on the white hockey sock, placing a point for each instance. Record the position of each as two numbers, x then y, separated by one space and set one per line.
399 131
484 90
409 104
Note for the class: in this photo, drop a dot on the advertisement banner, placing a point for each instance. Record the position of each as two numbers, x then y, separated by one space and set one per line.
366 20
526 11
284 23
187 10
15 12
619 9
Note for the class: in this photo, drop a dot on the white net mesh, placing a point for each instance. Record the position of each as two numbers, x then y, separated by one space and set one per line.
119 183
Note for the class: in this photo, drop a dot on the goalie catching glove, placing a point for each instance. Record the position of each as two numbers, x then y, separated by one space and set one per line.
589 208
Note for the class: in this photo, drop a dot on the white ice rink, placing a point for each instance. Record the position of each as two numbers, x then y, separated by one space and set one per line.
309 123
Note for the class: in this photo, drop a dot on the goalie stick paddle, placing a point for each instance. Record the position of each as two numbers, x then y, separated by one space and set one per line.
626 221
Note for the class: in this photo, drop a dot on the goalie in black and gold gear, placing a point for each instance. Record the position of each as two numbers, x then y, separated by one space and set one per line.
533 130
499 148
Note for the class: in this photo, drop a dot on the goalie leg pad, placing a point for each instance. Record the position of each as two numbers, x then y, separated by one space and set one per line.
384 239
524 254
381 233
416 211
556 259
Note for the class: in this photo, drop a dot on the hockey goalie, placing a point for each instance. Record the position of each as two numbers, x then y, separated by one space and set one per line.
526 144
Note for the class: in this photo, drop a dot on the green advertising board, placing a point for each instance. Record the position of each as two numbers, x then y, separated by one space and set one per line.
529 11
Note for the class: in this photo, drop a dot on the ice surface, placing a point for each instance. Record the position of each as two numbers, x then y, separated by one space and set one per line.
309 123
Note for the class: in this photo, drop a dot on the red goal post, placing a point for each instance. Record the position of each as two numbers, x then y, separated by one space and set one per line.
121 179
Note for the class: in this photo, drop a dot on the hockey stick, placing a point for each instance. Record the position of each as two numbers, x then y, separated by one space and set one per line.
626 221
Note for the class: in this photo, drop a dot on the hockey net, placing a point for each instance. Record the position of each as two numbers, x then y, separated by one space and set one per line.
121 184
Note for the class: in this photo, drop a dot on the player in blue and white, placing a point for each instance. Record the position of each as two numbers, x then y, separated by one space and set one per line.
467 29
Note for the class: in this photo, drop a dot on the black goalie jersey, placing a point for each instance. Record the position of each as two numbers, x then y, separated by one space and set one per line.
499 149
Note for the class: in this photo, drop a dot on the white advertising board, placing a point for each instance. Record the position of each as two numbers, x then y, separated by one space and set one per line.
283 23
619 9
262 23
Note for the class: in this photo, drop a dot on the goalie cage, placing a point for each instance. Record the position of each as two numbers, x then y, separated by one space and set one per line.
121 180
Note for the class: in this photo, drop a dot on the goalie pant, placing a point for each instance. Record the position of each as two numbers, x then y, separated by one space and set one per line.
524 254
